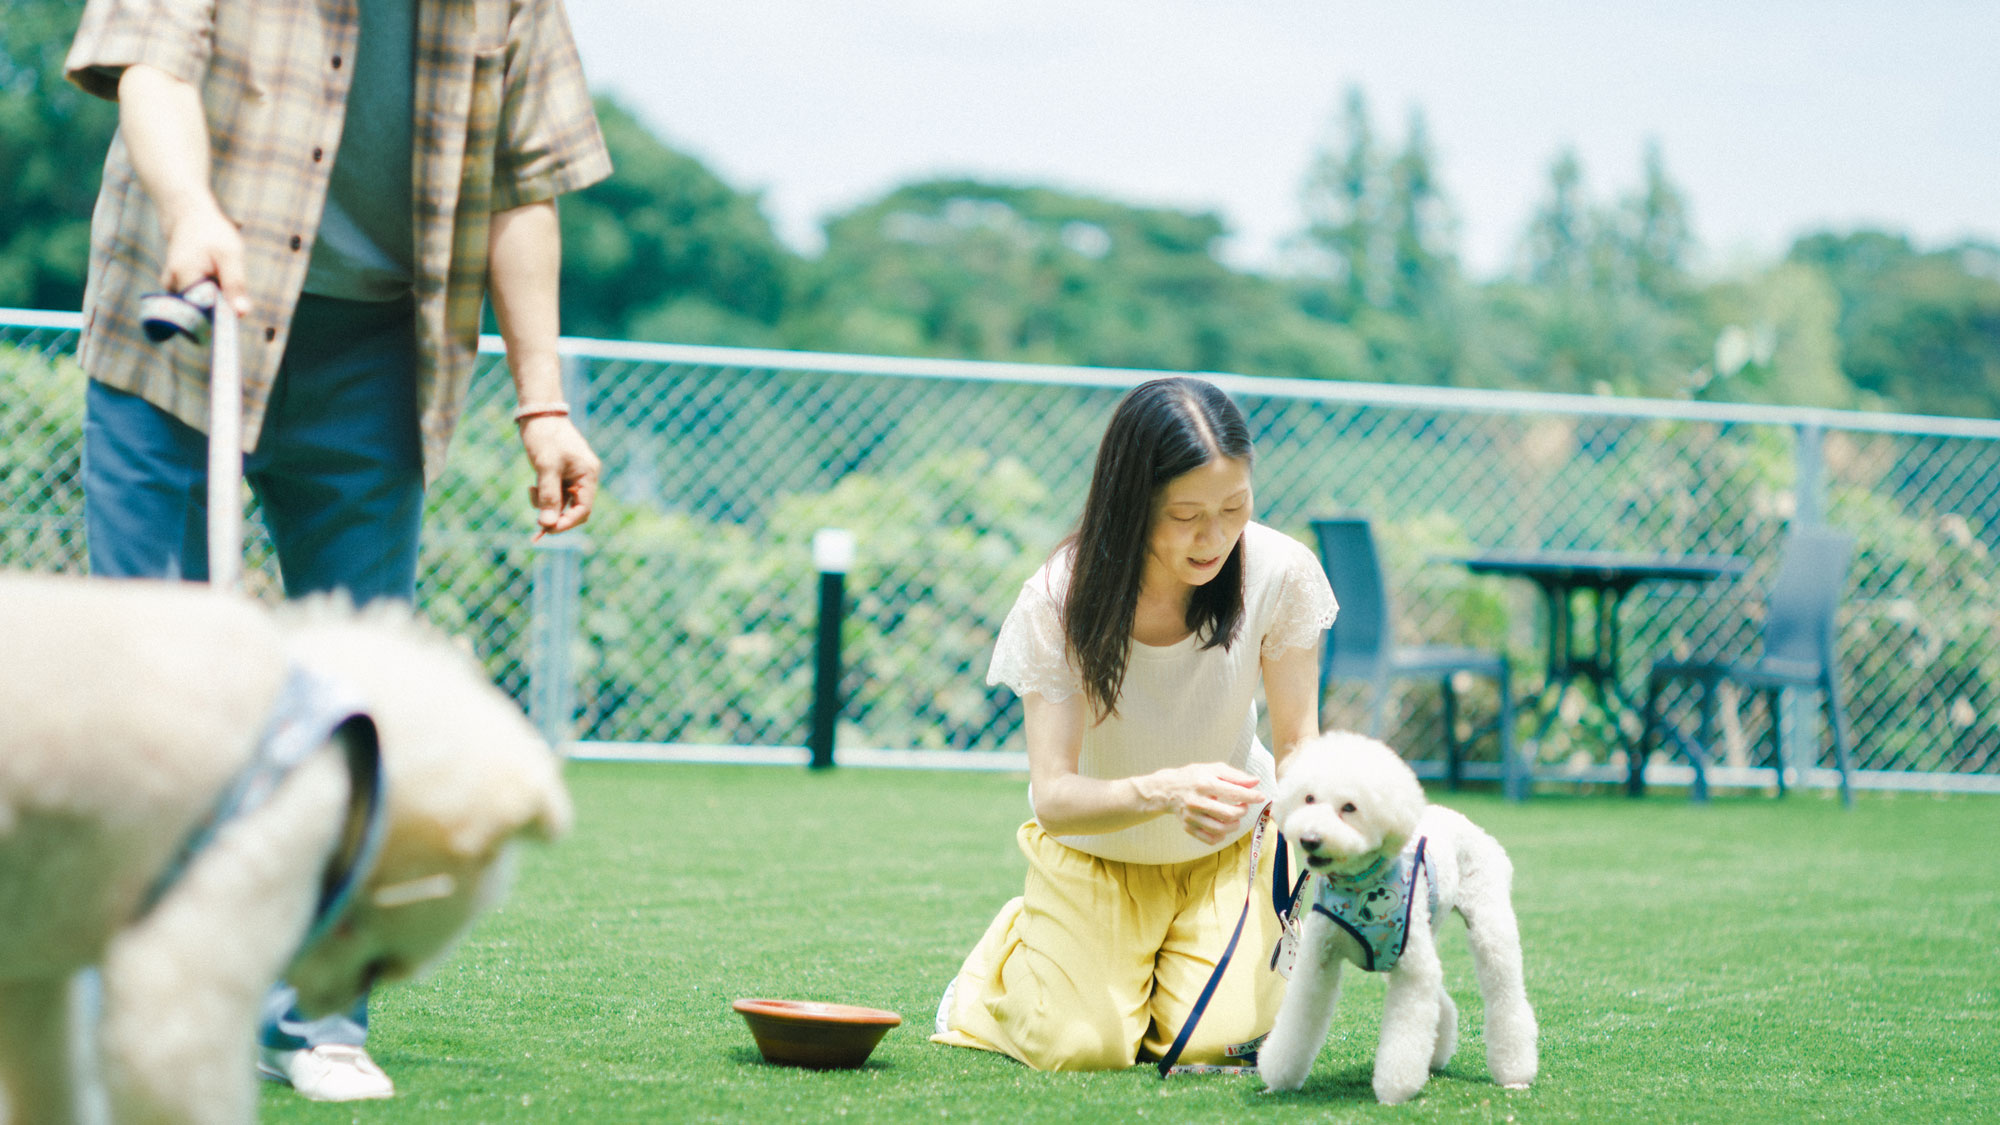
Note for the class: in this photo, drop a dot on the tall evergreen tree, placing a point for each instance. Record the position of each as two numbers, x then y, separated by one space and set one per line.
1661 236
1561 233
1345 202
1419 223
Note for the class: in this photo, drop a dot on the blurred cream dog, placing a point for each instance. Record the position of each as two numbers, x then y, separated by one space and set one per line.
1357 815
127 709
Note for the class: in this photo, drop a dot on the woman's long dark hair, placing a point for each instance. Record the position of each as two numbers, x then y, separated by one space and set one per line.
1160 430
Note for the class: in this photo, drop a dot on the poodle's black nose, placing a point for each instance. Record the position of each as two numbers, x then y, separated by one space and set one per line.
1310 843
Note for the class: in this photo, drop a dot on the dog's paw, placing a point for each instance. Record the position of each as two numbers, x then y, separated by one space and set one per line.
1280 1074
1513 1065
1394 1091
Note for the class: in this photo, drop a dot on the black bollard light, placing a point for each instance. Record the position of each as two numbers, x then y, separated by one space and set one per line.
833 557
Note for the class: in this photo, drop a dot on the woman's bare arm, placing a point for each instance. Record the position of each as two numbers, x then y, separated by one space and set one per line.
1209 798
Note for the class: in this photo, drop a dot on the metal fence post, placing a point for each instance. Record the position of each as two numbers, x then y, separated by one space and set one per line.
555 600
833 557
554 604
1809 489
1801 723
576 389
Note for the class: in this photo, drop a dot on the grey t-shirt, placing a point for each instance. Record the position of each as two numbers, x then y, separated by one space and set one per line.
366 241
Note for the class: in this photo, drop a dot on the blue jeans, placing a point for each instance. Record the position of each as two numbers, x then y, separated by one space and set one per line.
338 469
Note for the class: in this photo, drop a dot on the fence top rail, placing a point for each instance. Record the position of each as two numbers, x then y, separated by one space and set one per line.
40 318
1454 399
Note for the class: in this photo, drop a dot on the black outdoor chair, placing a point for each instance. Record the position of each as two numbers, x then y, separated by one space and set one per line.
1361 646
1798 652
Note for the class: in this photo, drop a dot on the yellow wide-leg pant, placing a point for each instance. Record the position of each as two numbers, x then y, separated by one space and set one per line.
1098 963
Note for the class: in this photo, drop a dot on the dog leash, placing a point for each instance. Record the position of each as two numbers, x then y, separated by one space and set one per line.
1284 898
1173 1054
202 315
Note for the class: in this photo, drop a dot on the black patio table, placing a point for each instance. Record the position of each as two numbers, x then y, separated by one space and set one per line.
1607 576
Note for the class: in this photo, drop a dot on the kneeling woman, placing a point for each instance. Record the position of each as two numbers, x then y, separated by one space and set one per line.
1137 650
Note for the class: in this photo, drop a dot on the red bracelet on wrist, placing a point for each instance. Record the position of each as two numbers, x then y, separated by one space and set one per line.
529 410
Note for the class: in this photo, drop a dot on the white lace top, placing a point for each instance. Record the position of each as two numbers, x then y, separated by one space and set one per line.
1179 703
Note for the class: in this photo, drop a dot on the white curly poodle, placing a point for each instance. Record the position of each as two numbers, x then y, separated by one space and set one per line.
134 713
1385 866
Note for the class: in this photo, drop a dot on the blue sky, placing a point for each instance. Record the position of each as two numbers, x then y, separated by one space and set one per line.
1775 116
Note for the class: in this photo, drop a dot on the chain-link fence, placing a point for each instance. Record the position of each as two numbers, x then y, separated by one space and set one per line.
685 613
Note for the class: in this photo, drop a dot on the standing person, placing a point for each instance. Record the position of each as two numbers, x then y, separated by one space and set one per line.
1137 650
355 177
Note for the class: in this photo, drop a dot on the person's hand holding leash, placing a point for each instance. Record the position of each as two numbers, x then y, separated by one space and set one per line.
160 117
202 243
1210 798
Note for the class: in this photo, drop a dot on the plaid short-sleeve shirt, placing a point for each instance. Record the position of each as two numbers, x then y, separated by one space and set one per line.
503 119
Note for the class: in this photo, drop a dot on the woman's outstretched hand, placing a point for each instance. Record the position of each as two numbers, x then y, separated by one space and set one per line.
1210 798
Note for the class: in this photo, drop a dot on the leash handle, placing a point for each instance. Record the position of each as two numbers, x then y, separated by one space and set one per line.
201 315
1173 1054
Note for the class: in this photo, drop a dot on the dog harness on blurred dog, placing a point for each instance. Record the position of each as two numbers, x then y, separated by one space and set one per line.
310 709
1374 905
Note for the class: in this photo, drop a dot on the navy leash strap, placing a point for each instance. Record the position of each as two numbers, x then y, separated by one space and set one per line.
1173 1054
1282 896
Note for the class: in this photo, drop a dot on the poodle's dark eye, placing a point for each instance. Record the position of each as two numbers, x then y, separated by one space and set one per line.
1310 798
1348 807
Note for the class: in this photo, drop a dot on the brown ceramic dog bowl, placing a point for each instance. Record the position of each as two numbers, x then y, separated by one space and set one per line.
811 1034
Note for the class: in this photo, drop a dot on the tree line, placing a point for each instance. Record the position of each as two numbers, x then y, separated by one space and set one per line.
1603 296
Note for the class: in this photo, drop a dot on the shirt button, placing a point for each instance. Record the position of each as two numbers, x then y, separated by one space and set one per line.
336 62
270 334
297 242
317 154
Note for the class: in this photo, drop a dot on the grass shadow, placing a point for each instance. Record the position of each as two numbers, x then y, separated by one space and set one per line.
751 1057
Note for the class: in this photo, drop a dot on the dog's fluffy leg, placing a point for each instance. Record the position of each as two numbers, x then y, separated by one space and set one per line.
36 1070
1511 1053
183 990
1447 1033
1306 1013
1486 902
1410 1016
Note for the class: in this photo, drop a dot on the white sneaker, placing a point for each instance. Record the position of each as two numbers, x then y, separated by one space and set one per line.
330 1072
943 1022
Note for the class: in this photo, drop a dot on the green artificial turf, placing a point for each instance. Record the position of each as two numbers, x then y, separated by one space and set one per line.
1752 960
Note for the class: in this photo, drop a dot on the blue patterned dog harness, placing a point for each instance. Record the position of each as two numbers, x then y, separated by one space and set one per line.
309 710
1374 905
